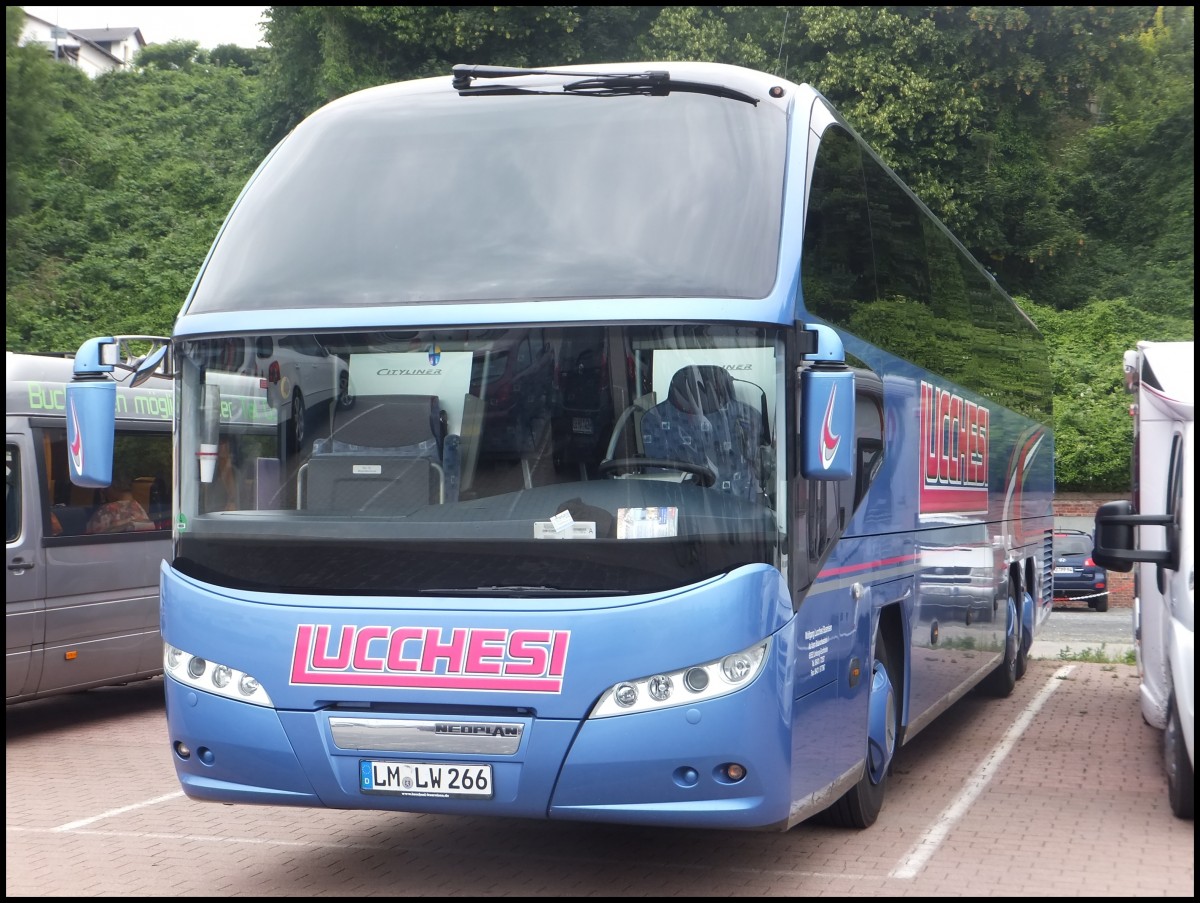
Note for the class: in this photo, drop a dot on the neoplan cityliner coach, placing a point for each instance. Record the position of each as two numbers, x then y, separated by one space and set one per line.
802 500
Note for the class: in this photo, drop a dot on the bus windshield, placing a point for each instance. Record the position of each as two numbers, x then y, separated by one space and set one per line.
556 461
437 198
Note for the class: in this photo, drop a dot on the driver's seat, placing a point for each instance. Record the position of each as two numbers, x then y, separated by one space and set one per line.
702 422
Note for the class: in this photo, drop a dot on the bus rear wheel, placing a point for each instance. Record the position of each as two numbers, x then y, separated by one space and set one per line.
1001 682
863 802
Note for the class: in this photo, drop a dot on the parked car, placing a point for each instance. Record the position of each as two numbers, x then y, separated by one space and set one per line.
302 375
1077 578
583 405
513 373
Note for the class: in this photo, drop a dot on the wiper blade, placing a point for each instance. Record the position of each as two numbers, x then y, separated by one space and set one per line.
654 83
517 591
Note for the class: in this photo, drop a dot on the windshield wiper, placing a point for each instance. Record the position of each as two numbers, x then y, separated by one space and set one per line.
517 591
654 83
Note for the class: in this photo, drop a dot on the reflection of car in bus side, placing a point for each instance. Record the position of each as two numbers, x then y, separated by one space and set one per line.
959 575
583 413
514 378
302 375
81 606
298 373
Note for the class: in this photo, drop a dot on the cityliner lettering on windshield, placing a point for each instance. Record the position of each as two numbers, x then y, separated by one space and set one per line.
428 658
954 453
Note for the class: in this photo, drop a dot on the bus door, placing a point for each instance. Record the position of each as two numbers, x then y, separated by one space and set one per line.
25 580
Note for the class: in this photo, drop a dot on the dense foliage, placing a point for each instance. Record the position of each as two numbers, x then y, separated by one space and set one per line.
1057 142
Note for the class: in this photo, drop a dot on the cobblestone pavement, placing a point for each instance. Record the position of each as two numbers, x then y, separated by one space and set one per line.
1056 791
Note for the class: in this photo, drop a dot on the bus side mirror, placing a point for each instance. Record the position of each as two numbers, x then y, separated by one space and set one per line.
826 409
92 415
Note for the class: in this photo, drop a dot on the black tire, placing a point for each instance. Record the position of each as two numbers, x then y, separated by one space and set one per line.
1001 682
1181 774
345 399
861 805
298 428
1024 640
1101 603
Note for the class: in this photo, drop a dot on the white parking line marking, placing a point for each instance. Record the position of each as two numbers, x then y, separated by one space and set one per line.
924 848
84 822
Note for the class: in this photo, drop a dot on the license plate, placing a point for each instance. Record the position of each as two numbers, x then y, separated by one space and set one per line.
581 425
437 779
1064 570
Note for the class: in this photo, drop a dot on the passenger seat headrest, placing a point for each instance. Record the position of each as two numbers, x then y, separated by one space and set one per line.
701 388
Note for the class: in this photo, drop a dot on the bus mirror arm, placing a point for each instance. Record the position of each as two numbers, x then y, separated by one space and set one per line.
101 357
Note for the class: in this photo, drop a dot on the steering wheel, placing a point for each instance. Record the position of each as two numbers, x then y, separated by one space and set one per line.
704 475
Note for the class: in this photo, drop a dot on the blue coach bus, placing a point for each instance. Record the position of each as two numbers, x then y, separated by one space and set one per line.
661 459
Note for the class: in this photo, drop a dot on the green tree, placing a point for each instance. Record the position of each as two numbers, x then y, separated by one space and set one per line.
319 53
1091 408
123 212
35 92
176 54
1133 174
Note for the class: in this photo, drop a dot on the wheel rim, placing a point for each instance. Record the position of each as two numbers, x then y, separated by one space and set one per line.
881 732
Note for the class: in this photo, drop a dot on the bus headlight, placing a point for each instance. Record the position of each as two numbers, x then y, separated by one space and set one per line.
684 686
212 677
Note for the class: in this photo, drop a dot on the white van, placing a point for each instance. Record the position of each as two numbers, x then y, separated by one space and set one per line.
81 588
1154 535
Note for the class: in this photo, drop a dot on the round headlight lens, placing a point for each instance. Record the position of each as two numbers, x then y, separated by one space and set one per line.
625 694
660 687
736 667
247 685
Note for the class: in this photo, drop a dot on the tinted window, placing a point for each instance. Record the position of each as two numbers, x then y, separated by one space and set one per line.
12 493
142 456
878 264
392 198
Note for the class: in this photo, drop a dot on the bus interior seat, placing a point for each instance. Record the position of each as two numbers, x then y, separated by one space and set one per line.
83 497
72 518
385 453
702 421
142 487
626 438
753 395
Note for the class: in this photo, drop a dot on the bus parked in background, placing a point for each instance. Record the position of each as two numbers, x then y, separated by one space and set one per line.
782 495
81 590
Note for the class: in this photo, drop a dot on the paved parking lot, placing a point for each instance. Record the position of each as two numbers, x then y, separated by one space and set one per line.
1056 791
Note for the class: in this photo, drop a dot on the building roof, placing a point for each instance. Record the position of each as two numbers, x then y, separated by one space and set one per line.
109 35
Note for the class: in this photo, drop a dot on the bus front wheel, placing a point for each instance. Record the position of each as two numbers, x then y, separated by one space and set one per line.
863 802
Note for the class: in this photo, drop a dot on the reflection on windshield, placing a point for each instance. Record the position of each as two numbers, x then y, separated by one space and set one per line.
528 461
